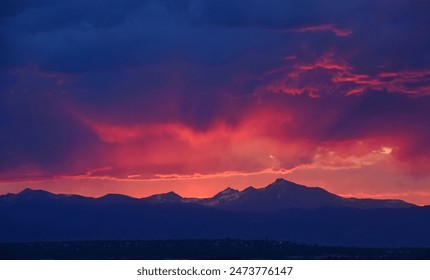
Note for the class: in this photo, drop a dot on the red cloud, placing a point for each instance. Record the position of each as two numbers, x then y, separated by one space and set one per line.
330 74
324 28
415 82
253 144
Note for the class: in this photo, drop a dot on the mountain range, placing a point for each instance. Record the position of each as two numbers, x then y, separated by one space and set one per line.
282 211
279 195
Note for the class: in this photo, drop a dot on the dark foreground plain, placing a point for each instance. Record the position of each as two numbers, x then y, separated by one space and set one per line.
223 249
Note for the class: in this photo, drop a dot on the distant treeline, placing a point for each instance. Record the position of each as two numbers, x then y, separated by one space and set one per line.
224 249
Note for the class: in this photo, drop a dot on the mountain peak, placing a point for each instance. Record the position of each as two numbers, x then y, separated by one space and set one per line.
172 195
227 193
284 184
282 181
26 190
32 195
249 189
112 198
31 192
228 190
164 197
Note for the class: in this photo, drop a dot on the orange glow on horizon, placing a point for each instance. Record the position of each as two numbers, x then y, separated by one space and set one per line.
202 187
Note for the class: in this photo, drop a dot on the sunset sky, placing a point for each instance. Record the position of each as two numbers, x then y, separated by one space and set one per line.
142 97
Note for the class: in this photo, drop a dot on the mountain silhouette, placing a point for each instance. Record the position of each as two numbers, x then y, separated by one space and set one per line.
170 197
283 194
281 211
279 195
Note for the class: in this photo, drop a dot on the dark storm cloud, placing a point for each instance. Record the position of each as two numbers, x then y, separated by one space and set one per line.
273 14
79 36
118 64
36 131
86 35
13 8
